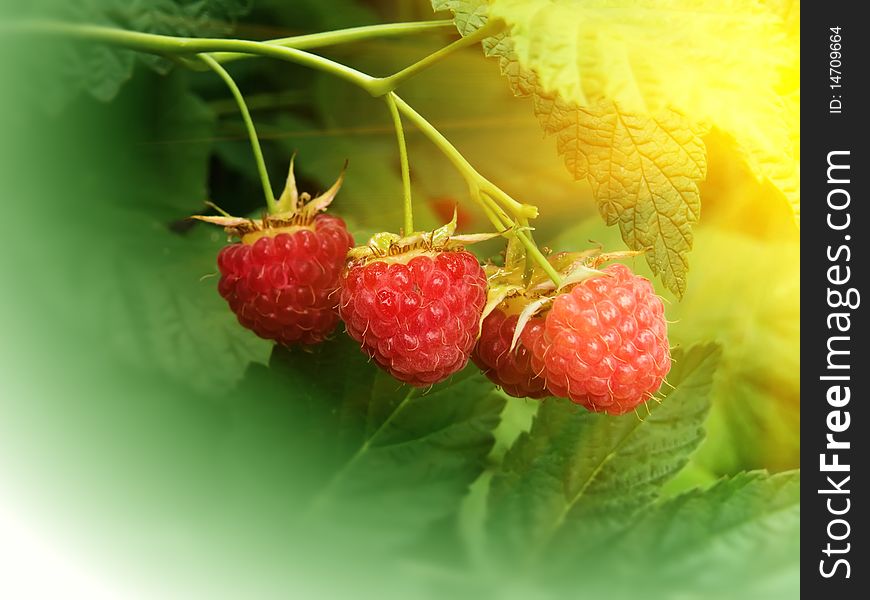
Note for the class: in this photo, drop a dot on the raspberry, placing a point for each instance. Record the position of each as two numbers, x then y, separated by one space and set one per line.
604 343
416 314
282 282
511 370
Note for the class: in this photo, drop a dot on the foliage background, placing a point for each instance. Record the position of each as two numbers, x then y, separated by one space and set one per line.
142 432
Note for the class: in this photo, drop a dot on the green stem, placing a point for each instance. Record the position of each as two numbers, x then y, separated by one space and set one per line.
346 36
539 257
385 85
490 210
501 216
182 48
249 125
490 214
482 188
172 46
403 159
462 165
525 238
529 270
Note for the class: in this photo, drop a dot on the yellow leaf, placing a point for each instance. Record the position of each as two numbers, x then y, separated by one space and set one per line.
733 64
643 168
467 14
644 173
674 68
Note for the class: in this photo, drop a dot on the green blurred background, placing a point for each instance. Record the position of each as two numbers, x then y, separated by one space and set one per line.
141 432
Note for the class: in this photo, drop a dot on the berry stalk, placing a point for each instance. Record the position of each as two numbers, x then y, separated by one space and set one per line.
408 208
461 163
181 48
249 125
483 191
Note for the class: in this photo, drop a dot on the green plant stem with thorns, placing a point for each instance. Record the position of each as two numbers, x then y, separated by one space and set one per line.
504 212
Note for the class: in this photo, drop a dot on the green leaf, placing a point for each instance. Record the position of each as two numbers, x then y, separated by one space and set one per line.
739 538
644 173
100 70
644 169
755 421
161 289
558 54
419 454
355 455
623 51
142 287
577 471
469 15
153 151
733 64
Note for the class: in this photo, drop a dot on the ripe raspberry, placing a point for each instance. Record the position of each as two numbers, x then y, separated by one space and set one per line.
415 314
604 343
511 370
282 282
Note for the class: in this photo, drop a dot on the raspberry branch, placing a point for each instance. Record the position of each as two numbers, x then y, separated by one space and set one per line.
502 210
172 46
346 36
385 85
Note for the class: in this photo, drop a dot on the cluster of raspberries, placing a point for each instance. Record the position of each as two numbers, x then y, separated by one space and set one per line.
603 343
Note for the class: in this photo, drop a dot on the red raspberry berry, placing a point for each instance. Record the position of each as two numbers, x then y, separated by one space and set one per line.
511 370
415 314
604 343
282 283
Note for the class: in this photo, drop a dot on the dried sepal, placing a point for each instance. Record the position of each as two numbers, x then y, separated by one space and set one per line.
604 257
294 209
529 311
321 202
289 199
385 244
228 223
578 273
496 294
